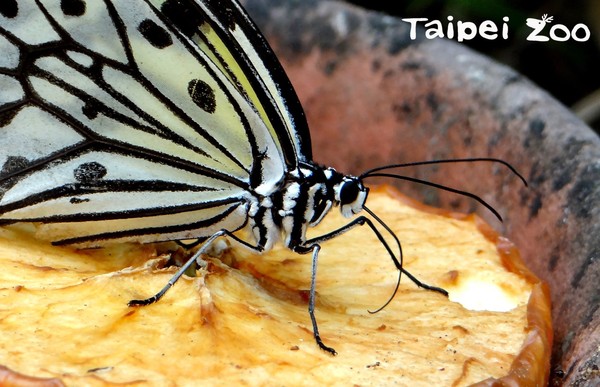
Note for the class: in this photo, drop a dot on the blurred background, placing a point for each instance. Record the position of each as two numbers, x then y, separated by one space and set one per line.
569 70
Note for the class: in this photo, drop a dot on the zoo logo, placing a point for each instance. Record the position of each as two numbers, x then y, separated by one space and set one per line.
558 32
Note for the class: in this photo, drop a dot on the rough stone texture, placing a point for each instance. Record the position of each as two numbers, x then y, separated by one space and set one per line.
373 96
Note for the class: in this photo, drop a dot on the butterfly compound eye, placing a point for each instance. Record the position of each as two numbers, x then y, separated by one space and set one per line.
352 196
349 192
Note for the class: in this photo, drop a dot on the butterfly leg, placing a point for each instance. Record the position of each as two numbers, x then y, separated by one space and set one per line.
361 221
312 245
314 248
190 262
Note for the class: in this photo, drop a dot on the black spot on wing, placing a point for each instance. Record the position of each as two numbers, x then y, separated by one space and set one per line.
203 95
14 164
182 16
155 34
88 173
78 200
72 7
9 8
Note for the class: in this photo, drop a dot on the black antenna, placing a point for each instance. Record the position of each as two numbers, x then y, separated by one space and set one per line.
442 187
377 172
370 172
401 269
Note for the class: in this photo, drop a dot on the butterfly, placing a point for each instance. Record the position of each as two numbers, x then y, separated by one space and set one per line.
155 120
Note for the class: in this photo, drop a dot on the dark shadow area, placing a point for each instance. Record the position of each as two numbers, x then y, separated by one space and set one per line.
567 70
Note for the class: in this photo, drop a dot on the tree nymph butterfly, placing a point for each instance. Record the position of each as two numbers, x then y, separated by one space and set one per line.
155 120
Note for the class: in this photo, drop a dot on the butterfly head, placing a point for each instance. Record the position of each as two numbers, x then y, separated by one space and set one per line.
351 195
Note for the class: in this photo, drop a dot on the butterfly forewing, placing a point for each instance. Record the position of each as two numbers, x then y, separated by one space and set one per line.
116 124
225 33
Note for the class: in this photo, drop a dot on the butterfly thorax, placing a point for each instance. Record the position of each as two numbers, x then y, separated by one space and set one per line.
307 195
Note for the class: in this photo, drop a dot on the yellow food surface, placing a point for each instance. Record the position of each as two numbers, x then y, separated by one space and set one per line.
64 313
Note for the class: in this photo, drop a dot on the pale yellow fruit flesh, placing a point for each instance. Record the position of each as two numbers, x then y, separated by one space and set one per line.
64 314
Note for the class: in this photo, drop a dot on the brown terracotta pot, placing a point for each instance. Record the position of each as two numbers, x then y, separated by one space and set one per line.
373 96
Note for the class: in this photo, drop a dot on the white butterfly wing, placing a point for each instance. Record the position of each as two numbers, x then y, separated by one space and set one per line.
230 37
114 125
